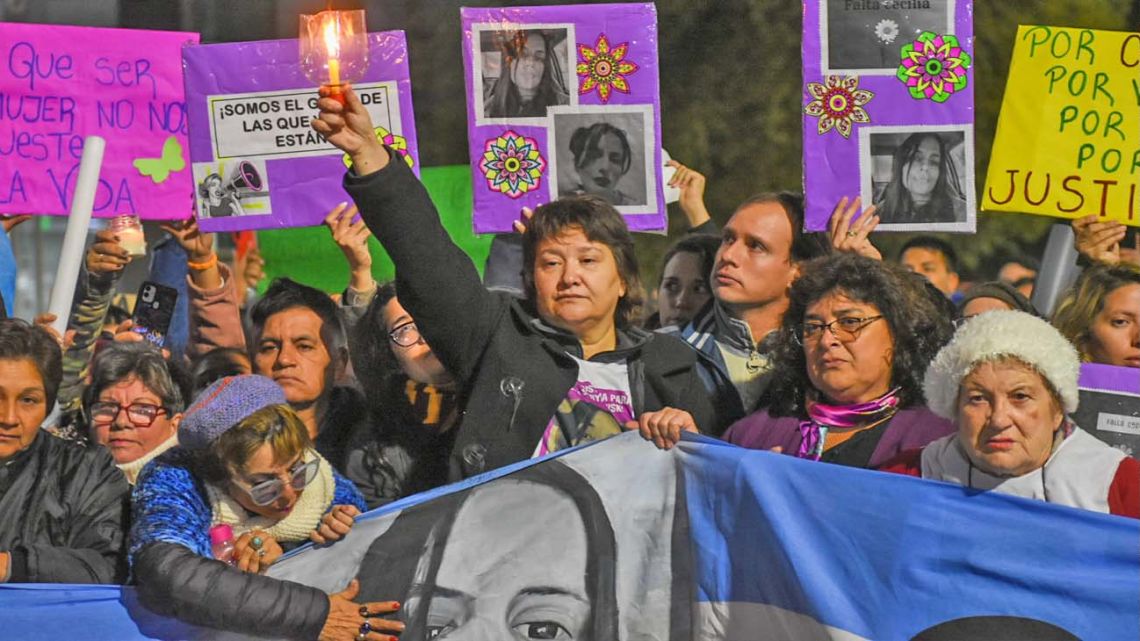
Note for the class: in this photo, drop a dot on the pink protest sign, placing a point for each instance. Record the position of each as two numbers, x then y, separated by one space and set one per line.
60 84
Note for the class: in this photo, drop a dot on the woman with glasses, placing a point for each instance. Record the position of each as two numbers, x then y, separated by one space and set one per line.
413 399
63 506
132 405
245 460
849 361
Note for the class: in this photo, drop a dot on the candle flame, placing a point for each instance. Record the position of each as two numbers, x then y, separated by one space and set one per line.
332 36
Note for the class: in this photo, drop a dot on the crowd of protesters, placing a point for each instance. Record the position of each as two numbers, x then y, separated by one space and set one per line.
285 417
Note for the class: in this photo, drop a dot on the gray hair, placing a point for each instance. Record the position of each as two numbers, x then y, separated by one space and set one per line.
118 361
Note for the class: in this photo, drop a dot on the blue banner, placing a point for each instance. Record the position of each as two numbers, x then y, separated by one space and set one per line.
617 540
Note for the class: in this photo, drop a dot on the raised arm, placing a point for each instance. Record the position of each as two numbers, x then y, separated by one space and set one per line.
437 282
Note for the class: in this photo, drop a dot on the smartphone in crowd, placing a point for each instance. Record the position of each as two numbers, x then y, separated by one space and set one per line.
154 309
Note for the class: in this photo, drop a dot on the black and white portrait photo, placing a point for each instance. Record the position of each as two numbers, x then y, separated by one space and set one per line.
863 35
521 72
606 153
919 177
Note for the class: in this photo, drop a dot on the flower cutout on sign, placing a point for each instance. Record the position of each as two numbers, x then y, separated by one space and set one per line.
512 164
395 141
603 68
838 103
934 67
887 31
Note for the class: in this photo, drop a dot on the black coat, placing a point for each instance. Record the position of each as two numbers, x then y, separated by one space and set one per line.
512 368
63 514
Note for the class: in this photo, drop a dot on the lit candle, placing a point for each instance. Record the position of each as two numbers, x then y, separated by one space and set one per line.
332 46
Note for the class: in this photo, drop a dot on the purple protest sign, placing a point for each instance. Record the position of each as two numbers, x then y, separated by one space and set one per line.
1110 405
61 84
563 101
257 162
889 111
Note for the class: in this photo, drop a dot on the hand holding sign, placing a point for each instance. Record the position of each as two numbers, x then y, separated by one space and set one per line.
1098 240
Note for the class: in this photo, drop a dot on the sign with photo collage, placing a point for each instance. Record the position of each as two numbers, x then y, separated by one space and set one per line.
888 111
563 101
257 162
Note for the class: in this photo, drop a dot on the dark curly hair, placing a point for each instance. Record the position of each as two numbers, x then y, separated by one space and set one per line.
919 326
601 223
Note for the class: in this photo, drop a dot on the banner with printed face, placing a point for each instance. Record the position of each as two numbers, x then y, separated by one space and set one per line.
61 84
1068 137
888 111
707 541
563 101
257 162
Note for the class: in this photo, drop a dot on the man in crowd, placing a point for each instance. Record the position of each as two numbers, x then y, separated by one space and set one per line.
762 248
934 258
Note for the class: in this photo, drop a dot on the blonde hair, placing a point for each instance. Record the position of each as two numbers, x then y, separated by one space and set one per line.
1085 300
275 425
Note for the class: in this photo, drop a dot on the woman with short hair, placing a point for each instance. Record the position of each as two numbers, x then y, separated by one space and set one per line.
132 405
567 364
63 505
245 461
1008 380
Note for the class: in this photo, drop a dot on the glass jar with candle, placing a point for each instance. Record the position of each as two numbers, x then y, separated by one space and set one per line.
130 232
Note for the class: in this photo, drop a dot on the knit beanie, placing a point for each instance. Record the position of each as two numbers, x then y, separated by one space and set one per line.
992 336
1004 292
224 404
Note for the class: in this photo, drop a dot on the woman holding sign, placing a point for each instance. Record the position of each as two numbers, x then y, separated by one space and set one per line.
565 365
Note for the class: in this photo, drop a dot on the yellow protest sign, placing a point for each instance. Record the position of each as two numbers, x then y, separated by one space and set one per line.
1068 137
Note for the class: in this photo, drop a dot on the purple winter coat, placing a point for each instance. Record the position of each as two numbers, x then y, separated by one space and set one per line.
909 429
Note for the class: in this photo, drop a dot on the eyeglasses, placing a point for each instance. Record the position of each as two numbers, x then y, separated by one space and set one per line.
845 328
139 414
269 491
405 335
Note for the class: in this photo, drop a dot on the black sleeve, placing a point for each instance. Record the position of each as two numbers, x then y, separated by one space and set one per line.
708 227
174 581
95 549
437 282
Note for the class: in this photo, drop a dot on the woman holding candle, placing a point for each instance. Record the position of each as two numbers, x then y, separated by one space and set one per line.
531 369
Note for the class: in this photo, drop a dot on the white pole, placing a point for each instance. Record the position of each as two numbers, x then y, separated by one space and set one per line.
75 238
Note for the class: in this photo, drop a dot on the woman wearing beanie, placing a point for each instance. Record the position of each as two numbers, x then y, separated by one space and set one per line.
1008 379
245 461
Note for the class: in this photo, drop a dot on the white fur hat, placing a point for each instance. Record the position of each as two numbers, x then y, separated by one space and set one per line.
990 336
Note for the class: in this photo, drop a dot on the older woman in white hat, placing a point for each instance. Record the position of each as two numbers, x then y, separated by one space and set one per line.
1008 380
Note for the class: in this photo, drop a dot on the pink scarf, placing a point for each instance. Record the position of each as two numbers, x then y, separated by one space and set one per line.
822 417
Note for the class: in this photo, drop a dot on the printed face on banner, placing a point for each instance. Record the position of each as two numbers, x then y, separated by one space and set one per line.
563 101
918 176
62 84
257 161
888 112
545 552
863 36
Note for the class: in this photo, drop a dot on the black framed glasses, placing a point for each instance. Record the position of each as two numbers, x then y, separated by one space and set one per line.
405 335
139 414
266 492
845 328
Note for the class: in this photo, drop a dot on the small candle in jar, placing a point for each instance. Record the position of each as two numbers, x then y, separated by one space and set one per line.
130 233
